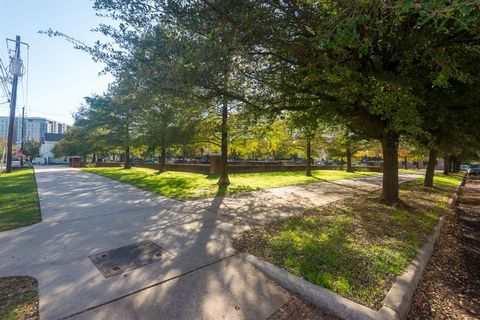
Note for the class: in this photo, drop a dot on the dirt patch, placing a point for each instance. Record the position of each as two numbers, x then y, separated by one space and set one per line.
450 288
299 309
18 298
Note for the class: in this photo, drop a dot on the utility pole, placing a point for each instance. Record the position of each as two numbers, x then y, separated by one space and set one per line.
15 70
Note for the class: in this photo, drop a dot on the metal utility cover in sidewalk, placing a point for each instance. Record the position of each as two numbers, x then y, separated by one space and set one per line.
126 258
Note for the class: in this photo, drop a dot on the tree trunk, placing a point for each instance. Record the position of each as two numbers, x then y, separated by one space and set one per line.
128 164
308 173
432 159
447 165
405 163
224 180
94 158
458 165
349 157
163 165
390 167
418 164
455 164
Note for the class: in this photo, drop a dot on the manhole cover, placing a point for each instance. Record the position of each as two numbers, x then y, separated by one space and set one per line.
126 258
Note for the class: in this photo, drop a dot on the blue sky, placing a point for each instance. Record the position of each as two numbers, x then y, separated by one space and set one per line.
59 75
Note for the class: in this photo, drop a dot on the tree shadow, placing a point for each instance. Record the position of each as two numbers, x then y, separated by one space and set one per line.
199 277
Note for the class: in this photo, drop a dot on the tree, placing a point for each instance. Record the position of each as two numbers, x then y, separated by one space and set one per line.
308 124
162 126
113 115
359 60
81 141
31 149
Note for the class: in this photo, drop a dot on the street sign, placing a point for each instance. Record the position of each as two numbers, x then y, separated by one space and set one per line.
19 154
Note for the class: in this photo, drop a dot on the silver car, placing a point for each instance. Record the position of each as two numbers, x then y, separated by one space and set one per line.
474 169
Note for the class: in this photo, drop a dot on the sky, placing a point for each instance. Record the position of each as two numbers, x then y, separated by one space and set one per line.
59 76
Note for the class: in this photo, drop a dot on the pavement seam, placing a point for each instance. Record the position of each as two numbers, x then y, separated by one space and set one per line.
145 288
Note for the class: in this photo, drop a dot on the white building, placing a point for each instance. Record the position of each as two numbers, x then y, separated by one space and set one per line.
46 150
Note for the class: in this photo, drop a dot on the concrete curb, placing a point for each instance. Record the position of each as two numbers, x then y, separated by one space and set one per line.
453 201
322 298
395 305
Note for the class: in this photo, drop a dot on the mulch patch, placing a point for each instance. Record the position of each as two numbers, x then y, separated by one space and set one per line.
450 288
18 298
299 309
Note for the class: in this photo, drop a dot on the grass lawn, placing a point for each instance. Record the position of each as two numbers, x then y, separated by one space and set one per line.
183 185
18 298
18 199
410 170
357 246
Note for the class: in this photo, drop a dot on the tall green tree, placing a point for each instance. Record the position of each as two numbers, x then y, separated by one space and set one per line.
31 149
359 60
307 123
113 114
365 61
163 125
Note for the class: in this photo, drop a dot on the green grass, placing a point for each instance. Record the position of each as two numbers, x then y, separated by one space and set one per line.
182 185
19 199
355 247
18 298
410 170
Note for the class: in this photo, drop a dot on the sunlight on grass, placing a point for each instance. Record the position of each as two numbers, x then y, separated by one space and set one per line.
355 247
19 199
194 185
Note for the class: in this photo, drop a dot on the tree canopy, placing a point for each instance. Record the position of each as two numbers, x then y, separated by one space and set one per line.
382 69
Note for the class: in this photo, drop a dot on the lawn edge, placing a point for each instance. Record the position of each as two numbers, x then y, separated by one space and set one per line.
397 301
38 205
38 195
232 194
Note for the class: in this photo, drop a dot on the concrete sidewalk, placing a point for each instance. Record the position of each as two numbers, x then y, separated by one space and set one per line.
197 277
260 207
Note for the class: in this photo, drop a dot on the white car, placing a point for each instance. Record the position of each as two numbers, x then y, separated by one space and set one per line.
464 167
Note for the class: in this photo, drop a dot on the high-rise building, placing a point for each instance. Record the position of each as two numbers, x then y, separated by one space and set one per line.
35 128
4 122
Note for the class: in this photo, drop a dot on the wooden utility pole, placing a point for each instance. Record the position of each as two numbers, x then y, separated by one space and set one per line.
16 70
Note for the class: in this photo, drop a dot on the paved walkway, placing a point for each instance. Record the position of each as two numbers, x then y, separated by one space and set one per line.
198 277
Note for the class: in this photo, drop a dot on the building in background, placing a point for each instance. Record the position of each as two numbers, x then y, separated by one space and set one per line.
35 128
46 150
4 128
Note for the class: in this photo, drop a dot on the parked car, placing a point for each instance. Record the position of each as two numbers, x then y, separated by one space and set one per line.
474 169
464 167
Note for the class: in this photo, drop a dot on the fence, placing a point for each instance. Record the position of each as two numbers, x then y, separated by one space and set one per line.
232 168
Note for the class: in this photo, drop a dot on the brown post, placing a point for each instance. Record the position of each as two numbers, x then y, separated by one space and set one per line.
215 164
75 162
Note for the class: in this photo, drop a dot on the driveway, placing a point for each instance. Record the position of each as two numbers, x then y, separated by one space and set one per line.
197 276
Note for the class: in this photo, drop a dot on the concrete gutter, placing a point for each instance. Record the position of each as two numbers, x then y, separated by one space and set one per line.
395 305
